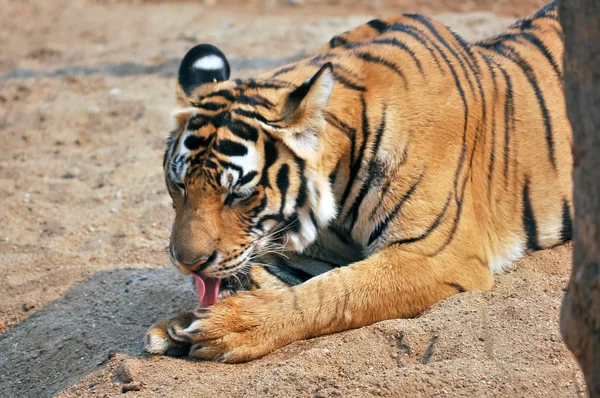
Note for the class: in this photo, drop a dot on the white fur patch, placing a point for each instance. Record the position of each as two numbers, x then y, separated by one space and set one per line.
323 90
155 344
549 233
511 253
305 236
210 62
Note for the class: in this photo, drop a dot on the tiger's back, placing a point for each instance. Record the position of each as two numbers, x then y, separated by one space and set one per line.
487 120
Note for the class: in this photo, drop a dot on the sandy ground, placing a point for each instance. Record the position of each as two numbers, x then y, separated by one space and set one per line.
85 92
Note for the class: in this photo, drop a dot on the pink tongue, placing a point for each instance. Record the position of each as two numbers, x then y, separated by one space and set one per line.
208 290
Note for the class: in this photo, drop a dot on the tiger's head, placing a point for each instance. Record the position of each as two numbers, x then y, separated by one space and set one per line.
245 165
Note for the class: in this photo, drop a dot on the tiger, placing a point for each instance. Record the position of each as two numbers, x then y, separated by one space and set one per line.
396 167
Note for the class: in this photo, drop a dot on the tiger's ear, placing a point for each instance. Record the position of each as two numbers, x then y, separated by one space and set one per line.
302 112
202 64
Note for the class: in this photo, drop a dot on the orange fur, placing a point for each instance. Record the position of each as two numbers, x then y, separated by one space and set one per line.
446 161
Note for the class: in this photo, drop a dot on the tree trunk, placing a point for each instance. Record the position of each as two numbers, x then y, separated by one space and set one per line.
580 315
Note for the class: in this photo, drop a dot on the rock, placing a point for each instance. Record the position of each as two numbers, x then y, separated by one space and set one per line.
72 173
134 386
123 373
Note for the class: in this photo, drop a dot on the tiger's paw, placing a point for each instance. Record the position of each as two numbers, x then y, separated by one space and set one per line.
159 340
235 329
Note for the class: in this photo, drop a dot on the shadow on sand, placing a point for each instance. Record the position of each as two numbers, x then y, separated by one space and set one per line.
74 335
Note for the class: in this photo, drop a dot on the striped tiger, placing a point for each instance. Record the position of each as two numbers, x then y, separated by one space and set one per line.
397 167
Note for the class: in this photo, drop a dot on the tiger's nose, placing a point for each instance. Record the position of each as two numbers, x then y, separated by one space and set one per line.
197 262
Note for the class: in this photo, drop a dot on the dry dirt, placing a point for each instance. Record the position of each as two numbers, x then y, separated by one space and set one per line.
86 88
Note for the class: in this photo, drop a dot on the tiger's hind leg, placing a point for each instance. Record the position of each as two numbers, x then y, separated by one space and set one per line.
274 272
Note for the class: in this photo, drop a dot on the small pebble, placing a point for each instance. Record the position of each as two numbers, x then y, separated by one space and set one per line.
124 374
129 282
134 386
143 278
93 109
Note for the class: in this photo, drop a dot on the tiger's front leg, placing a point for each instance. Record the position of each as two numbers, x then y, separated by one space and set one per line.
392 283
164 337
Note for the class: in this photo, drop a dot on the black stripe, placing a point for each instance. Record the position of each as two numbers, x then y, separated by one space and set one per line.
531 38
166 155
266 84
289 275
231 148
209 164
341 74
388 64
313 219
355 166
301 196
252 115
391 42
246 178
372 170
271 155
529 222
511 54
211 106
347 83
283 183
509 118
243 130
333 174
339 124
378 25
198 121
456 286
382 226
221 93
283 71
337 41
228 165
193 142
254 100
420 36
318 59
430 229
427 23
261 206
566 233
493 131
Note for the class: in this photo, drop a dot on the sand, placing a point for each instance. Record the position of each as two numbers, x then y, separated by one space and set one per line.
86 88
